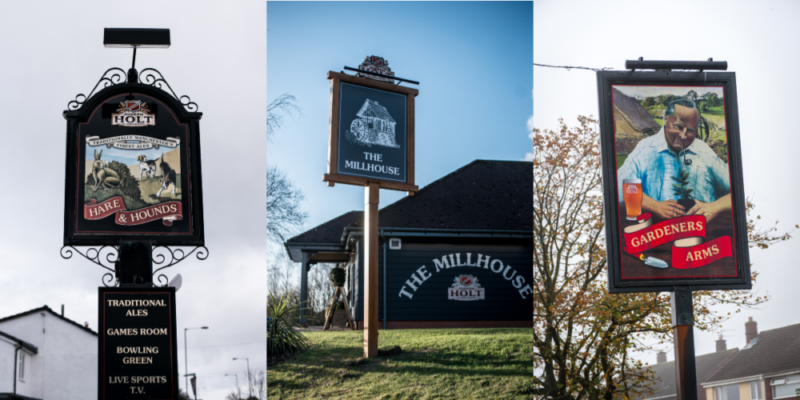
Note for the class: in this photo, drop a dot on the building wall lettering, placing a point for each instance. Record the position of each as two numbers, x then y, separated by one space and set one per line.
455 260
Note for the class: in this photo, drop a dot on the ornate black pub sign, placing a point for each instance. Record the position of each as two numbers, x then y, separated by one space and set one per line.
133 164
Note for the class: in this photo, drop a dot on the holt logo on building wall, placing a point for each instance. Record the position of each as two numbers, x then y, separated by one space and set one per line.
466 288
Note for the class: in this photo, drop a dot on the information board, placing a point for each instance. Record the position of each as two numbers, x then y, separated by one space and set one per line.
137 346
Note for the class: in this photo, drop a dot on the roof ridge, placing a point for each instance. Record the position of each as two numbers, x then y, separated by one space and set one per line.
324 223
46 308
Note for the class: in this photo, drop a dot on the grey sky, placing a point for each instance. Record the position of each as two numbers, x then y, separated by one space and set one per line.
750 37
51 52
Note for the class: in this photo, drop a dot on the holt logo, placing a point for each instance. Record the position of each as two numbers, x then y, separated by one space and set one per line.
466 288
133 113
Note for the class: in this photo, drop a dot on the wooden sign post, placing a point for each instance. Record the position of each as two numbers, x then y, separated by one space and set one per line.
371 271
371 144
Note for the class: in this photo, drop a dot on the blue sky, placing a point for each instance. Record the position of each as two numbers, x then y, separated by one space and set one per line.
473 61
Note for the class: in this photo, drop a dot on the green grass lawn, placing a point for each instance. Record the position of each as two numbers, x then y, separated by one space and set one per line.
435 364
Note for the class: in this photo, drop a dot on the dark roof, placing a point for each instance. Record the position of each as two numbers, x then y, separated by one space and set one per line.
639 118
373 109
329 232
46 308
482 195
774 351
21 342
705 365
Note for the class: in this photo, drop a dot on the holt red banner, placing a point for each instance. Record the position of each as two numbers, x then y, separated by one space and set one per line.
167 212
689 231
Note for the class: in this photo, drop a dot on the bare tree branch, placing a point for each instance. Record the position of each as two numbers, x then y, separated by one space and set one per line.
284 215
276 111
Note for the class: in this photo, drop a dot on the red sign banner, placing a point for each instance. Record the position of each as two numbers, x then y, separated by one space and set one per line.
167 212
687 233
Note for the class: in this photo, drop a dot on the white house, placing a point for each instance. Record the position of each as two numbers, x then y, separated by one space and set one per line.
47 357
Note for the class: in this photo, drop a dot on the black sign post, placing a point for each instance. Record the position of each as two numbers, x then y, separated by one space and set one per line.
673 190
137 347
133 184
371 144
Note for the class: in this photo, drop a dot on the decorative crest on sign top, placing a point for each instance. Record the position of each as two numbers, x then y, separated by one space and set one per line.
148 76
376 64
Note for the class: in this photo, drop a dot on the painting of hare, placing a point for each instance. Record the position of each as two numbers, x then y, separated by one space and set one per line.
103 176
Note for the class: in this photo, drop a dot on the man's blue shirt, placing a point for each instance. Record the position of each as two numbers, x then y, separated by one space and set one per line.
655 164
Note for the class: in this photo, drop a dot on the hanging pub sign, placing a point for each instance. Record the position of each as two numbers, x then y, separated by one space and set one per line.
371 130
133 164
137 346
672 175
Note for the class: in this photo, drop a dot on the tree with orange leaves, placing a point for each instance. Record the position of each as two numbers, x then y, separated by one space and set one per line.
584 338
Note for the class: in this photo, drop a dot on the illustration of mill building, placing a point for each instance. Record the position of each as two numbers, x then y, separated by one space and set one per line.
375 125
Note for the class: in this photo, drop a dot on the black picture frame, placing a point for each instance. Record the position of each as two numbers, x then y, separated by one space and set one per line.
105 368
188 229
614 252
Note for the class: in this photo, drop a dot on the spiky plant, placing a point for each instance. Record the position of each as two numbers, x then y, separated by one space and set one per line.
282 338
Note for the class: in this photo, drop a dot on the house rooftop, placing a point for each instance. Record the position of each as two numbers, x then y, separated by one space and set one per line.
634 112
774 351
47 309
33 349
705 365
483 195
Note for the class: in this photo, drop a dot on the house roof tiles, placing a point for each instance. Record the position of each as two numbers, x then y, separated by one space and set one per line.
635 113
775 351
705 365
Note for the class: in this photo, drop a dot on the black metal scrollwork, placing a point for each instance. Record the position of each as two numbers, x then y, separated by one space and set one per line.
153 77
99 256
165 257
148 76
112 76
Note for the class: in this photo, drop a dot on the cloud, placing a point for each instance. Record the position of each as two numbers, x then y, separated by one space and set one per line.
530 127
529 155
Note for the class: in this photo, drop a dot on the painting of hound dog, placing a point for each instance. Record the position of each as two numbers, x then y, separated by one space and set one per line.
146 167
168 178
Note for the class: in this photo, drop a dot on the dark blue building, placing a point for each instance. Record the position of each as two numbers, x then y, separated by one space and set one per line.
456 254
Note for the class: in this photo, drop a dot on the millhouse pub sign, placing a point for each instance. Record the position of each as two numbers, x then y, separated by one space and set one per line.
372 129
133 166
672 174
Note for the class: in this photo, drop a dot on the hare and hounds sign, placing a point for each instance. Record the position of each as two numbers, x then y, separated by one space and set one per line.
133 168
